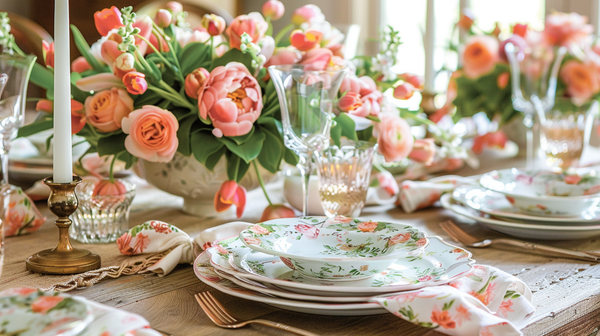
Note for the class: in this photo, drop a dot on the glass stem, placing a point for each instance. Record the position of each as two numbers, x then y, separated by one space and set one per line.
528 123
305 166
4 148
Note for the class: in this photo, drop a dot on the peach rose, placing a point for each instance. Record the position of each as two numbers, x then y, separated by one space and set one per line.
152 134
566 28
581 79
232 99
395 140
106 109
253 24
479 55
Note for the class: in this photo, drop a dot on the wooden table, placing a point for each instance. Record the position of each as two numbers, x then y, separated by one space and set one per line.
566 293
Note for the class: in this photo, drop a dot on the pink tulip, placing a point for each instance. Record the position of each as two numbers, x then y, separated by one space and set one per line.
144 23
305 41
175 7
135 82
350 83
231 194
394 139
107 20
78 118
350 102
423 151
48 53
151 134
276 211
232 99
196 81
404 91
373 100
317 59
214 24
479 55
163 18
80 64
253 24
306 14
44 105
99 82
108 188
284 56
273 9
581 79
415 80
367 85
566 28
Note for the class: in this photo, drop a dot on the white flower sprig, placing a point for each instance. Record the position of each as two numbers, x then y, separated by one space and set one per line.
248 46
128 32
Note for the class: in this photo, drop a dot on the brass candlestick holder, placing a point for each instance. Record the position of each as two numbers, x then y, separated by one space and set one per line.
428 102
64 258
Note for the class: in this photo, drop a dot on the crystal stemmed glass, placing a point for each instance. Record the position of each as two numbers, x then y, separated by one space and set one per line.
306 99
3 190
534 72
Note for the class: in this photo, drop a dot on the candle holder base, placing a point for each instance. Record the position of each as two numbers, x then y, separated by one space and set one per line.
428 102
63 259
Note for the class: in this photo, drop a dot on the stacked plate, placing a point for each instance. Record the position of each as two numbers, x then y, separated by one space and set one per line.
532 204
317 265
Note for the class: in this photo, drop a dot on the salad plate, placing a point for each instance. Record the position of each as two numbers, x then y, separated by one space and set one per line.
206 273
496 205
531 231
337 248
544 192
438 264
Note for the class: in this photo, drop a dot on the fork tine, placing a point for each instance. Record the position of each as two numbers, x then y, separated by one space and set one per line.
219 308
207 310
467 238
214 310
450 232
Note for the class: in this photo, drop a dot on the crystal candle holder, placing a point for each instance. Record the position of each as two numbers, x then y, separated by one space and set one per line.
101 218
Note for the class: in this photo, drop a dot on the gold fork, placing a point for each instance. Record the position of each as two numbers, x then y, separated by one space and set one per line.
221 317
466 239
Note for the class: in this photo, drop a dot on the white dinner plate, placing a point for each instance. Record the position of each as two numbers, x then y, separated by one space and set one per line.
495 204
438 264
531 231
206 273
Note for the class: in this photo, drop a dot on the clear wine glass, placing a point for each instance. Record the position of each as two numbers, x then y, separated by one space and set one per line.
306 98
3 190
533 72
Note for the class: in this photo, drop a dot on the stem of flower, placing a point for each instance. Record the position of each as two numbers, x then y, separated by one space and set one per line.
212 47
167 63
176 94
112 165
168 40
282 33
262 183
175 98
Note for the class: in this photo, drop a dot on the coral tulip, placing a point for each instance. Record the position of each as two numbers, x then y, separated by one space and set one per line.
231 194
273 9
107 20
78 118
252 24
108 188
276 211
48 53
492 139
196 81
80 64
520 29
214 24
305 41
135 82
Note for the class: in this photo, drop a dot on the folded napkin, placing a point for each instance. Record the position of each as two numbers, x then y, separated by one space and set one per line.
485 301
22 216
29 311
416 195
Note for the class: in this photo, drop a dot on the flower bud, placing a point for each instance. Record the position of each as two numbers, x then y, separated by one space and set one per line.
195 81
135 82
349 102
125 62
175 7
273 9
163 18
108 188
404 91
214 24
276 211
306 14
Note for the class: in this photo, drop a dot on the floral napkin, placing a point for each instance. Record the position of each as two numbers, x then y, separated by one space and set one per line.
486 301
31 312
22 216
416 195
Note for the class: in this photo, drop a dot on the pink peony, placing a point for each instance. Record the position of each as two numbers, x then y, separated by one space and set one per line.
232 99
566 29
395 139
479 55
253 24
152 134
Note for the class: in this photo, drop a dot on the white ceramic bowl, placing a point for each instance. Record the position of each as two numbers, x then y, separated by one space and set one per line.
545 193
337 248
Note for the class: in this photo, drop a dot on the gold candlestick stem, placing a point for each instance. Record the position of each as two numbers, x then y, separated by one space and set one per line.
428 102
64 258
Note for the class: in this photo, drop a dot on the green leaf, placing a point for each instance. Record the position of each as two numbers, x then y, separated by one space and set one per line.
213 159
250 149
36 127
272 152
195 55
84 49
348 126
233 55
112 145
42 77
184 135
203 145
128 158
236 167
147 98
243 138
290 157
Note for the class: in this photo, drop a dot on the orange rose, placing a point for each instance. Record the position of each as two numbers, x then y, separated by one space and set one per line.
581 79
152 134
106 109
480 55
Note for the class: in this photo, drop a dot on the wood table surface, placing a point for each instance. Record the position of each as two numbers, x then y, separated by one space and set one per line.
566 292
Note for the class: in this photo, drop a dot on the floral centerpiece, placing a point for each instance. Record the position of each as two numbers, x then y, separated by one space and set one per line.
482 83
151 88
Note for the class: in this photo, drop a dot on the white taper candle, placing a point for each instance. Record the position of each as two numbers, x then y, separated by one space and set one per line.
429 48
63 157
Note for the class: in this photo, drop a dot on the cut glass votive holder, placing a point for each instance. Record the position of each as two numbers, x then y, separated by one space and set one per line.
101 218
344 175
